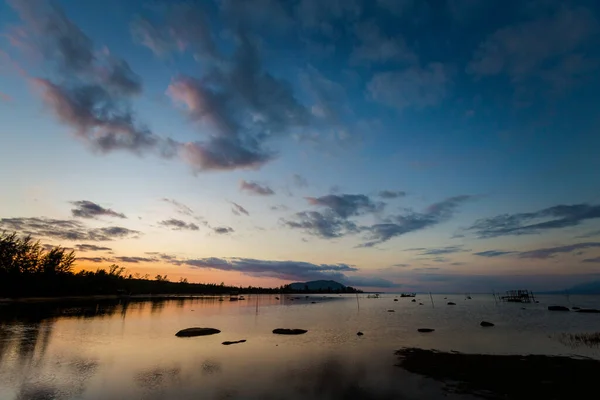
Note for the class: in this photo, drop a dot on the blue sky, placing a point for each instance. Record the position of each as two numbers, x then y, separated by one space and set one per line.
262 141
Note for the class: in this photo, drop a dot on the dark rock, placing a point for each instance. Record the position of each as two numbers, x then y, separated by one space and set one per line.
575 308
190 332
413 300
234 342
451 303
276 298
282 331
425 330
395 299
359 333
486 324
313 302
589 311
391 311
523 308
420 304
558 308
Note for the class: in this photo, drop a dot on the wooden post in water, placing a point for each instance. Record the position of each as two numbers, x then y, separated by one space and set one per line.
432 303
357 303
494 294
257 303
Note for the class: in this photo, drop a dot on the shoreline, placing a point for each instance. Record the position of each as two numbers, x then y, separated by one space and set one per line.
504 376
22 300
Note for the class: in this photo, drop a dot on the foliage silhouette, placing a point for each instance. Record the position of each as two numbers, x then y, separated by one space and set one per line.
28 270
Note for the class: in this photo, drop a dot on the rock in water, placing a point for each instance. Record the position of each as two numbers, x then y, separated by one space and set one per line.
558 308
413 300
190 332
395 299
486 324
391 311
420 304
234 342
589 310
451 303
359 333
425 330
283 331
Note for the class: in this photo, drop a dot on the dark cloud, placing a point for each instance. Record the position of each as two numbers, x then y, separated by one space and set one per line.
65 229
561 216
288 270
552 251
255 188
242 105
92 90
493 253
391 194
538 48
238 210
222 230
401 265
299 181
178 225
440 259
410 222
592 260
136 259
325 225
458 263
346 205
91 247
180 207
413 87
88 209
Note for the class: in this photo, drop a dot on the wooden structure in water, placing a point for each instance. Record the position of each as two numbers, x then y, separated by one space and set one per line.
518 296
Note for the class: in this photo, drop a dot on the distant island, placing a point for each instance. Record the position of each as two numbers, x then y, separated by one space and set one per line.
28 270
322 286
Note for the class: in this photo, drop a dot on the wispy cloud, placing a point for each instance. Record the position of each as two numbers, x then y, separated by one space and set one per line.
256 188
289 270
550 252
410 222
346 205
538 48
442 250
95 259
71 230
238 210
177 225
591 260
556 217
135 260
179 207
91 247
391 194
299 181
493 253
413 87
88 209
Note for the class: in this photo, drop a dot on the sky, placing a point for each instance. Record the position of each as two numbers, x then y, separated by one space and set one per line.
393 145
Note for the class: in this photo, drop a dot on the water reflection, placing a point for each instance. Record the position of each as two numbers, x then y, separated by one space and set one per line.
127 348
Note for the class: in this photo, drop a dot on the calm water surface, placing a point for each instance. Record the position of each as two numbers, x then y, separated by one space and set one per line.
112 350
